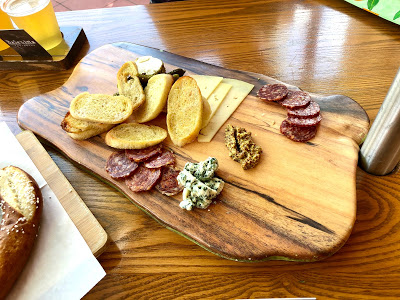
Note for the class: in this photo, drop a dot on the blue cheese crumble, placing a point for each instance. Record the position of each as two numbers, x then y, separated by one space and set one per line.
200 185
203 170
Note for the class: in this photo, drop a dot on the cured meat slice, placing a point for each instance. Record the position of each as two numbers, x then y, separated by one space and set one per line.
289 94
303 122
272 92
296 100
297 133
143 179
138 155
311 110
119 165
165 158
168 184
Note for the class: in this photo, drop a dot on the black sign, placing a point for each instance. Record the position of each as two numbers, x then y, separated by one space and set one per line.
24 44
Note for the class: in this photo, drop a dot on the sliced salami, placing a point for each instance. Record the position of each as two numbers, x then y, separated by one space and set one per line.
304 122
296 100
289 94
272 92
297 133
165 158
138 155
119 165
143 179
168 184
311 110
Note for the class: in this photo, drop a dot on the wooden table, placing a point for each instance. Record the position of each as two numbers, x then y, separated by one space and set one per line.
324 46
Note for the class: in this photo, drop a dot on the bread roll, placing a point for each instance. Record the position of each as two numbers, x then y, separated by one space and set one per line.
21 203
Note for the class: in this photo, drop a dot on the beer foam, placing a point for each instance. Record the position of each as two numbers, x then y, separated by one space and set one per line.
19 8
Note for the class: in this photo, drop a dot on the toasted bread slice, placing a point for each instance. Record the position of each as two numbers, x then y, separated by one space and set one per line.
127 70
156 92
101 108
129 84
21 206
184 111
132 89
74 125
135 136
86 134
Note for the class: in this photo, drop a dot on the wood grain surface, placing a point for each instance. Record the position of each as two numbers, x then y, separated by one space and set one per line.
90 229
274 211
325 46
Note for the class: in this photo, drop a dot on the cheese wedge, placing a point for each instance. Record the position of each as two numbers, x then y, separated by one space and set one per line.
232 100
214 101
207 84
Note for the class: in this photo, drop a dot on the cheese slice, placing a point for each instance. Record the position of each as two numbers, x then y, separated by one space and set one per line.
235 96
207 84
214 101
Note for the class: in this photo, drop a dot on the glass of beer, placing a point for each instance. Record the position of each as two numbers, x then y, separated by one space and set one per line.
5 23
37 18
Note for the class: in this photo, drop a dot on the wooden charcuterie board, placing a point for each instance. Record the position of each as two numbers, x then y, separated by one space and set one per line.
298 204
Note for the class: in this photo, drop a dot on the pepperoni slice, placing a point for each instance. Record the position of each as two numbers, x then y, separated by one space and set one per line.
143 179
165 158
297 133
120 166
168 184
138 155
311 110
272 92
304 122
296 100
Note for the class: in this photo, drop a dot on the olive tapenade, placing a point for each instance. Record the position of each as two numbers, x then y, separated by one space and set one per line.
241 147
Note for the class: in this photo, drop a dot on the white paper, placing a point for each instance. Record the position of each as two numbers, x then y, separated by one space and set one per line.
61 265
12 153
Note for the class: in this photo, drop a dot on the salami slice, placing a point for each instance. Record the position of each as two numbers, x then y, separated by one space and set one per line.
289 94
168 184
296 100
120 166
297 133
272 92
138 155
143 179
311 110
165 158
304 122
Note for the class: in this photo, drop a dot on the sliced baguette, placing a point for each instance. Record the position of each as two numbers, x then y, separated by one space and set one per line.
156 93
74 125
132 89
86 134
184 111
101 108
135 136
21 203
128 69
129 84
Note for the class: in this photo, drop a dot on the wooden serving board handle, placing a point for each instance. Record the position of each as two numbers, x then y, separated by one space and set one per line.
90 229
299 203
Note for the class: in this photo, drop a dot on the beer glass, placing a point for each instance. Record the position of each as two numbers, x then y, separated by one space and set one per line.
5 23
37 18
